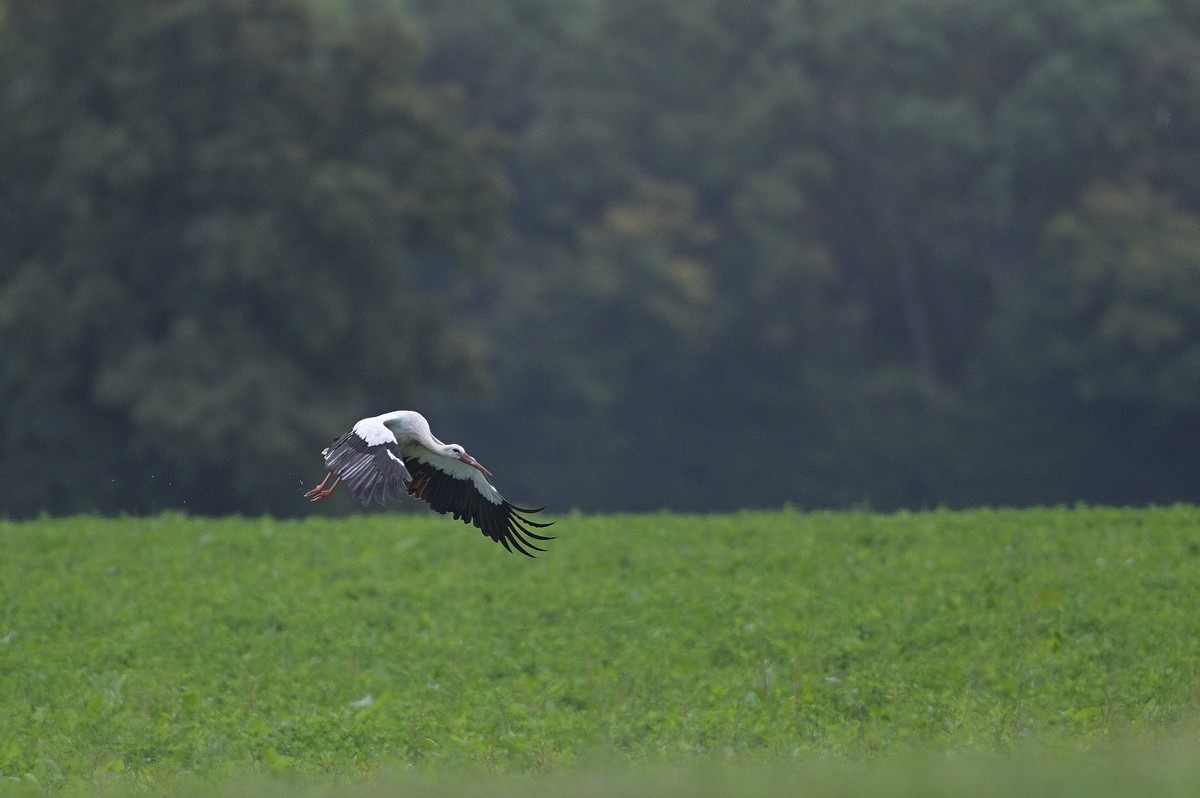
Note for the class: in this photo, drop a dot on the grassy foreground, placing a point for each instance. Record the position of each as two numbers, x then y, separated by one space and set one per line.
848 652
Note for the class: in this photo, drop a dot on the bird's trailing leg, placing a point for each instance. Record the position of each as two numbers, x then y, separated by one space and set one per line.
318 488
320 493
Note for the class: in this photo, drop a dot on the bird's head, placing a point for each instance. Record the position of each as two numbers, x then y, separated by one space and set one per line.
459 453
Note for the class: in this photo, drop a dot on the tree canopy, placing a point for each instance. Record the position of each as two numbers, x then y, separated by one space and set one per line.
218 231
746 252
902 253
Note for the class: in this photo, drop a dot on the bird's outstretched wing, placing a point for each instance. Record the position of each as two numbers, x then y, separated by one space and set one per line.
451 486
373 472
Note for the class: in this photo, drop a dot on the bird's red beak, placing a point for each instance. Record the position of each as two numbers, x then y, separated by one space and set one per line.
471 461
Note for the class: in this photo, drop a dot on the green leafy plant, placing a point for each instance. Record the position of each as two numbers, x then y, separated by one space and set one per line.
146 651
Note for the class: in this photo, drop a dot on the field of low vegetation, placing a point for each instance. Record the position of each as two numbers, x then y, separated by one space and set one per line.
984 652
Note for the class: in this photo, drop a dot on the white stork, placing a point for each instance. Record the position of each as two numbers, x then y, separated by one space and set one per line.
381 455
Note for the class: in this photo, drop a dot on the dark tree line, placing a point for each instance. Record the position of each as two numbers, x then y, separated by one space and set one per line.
900 253
216 235
637 253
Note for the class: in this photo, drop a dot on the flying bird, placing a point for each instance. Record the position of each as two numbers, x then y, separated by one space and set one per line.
383 455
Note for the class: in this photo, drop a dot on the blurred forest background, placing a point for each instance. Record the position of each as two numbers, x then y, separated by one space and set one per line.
634 254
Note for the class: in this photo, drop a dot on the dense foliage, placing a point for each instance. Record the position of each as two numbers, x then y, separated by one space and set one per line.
903 252
137 651
897 253
215 233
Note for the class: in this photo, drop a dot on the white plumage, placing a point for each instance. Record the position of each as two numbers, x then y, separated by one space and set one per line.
382 456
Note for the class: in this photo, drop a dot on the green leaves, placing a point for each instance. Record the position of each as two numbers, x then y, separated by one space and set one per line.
907 253
237 237
1125 274
163 648
817 249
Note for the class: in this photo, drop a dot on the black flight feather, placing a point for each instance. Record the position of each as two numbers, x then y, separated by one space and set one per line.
502 522
373 473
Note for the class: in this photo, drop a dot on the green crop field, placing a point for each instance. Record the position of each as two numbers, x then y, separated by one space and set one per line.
985 652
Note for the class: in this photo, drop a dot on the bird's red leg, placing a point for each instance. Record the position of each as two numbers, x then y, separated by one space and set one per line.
318 488
320 495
